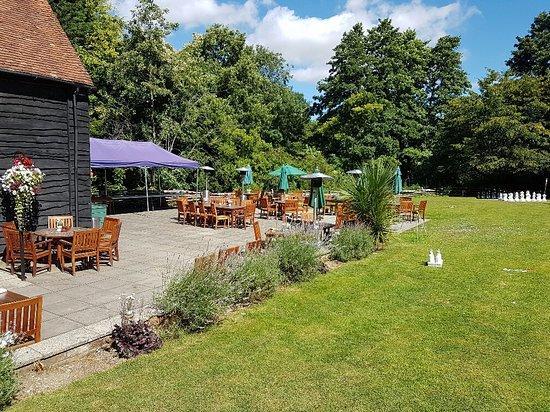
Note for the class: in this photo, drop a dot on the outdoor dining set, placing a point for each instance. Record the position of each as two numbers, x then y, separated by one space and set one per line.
64 241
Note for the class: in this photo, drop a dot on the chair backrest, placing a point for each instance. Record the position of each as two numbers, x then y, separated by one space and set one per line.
213 210
181 205
250 209
22 316
202 210
9 225
257 231
85 240
66 221
339 215
192 207
291 205
110 224
406 206
422 205
224 254
405 199
13 241
264 202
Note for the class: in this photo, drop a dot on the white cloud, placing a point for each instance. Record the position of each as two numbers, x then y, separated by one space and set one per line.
193 13
307 43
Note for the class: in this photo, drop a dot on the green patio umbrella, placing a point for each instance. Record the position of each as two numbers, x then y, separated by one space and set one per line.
316 192
283 172
283 180
397 181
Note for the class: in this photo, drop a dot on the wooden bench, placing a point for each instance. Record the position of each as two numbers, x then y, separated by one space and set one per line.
21 314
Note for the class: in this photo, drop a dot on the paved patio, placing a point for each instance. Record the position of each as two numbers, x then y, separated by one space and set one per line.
80 308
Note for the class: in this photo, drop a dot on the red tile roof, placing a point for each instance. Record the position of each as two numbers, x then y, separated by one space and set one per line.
32 42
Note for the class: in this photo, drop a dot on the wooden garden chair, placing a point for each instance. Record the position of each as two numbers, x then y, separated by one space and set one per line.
85 245
66 221
420 210
110 225
257 231
215 218
182 210
108 239
250 212
202 215
406 209
33 250
267 207
192 213
6 252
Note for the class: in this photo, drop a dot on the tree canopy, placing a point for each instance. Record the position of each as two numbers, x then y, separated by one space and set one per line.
388 93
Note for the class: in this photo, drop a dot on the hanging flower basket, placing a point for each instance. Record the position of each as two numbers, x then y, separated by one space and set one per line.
20 184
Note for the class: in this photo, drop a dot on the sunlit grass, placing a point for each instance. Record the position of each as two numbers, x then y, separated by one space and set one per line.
385 333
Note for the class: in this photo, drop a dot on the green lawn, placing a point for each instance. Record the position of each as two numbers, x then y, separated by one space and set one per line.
385 333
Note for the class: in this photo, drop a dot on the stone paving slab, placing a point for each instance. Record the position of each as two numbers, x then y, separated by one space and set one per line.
153 246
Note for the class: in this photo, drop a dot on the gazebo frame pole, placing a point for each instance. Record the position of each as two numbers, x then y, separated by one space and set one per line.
146 188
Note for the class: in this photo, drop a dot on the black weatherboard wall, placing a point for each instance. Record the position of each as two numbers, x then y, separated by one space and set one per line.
36 119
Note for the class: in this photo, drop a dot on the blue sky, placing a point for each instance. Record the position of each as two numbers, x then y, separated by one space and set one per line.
306 31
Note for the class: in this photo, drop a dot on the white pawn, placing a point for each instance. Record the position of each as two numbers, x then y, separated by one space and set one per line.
439 258
528 196
544 197
431 258
516 197
522 196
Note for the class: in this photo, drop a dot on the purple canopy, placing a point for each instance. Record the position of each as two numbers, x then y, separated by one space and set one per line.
106 154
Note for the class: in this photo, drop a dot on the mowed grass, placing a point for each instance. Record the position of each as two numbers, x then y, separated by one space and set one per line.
385 333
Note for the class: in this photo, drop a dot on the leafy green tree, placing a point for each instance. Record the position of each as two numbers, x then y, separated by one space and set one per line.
499 137
531 55
143 76
372 102
445 77
96 34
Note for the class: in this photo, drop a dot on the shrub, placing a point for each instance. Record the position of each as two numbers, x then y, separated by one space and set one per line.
255 277
297 257
371 198
352 243
134 338
194 299
8 383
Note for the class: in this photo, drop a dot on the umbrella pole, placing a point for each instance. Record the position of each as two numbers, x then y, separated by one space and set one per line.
197 181
146 188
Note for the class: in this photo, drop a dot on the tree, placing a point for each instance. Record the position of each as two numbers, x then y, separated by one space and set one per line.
531 54
446 79
499 137
96 34
143 76
372 102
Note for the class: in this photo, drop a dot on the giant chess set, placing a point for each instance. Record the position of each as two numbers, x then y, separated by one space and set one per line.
526 196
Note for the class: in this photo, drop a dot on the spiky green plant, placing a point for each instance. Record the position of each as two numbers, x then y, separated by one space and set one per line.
371 198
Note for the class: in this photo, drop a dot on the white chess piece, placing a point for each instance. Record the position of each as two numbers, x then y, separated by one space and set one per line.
431 258
544 197
439 258
528 196
522 196
516 197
